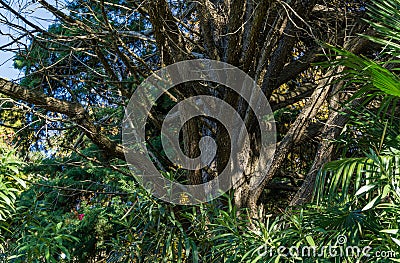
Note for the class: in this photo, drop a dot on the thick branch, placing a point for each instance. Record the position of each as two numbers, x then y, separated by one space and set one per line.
75 111
235 31
278 101
293 69
295 134
169 38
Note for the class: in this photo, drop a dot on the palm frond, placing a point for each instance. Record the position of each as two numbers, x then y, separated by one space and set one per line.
371 178
384 18
373 76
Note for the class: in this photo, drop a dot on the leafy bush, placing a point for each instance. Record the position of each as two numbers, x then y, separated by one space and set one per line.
10 186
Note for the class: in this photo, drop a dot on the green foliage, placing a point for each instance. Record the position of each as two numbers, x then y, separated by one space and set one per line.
10 186
355 178
135 227
372 75
9 182
360 195
42 243
384 18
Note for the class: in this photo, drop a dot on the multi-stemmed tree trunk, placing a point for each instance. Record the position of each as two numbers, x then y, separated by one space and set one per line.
108 47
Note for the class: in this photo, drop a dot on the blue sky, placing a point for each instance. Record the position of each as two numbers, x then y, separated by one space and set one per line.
6 66
33 13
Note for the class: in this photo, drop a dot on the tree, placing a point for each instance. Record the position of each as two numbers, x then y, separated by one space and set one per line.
97 52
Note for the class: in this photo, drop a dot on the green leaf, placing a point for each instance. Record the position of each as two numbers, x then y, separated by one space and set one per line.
5 198
364 189
310 241
395 240
386 191
47 253
371 204
390 231
14 169
19 180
